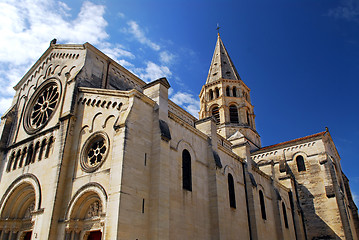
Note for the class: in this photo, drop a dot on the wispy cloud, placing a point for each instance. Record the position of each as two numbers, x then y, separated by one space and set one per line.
116 52
348 10
167 57
140 35
187 101
152 71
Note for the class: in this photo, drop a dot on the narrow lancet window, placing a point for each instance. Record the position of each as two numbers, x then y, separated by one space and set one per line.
210 94
11 161
234 92
30 151
228 92
248 119
217 92
285 215
231 192
186 170
263 207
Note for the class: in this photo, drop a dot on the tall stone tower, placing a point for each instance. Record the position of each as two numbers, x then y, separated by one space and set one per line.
226 97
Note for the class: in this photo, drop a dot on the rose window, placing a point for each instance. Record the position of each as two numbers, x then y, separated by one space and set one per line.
42 106
94 151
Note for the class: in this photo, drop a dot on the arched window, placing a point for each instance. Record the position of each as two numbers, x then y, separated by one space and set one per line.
215 113
285 215
234 92
300 163
210 94
217 92
233 114
42 148
30 151
186 170
36 152
228 92
49 146
248 119
11 161
22 158
17 157
232 195
263 207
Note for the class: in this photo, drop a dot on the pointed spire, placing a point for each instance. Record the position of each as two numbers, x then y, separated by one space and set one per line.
221 65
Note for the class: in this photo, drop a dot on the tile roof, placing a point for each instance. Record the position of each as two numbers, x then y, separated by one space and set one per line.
292 141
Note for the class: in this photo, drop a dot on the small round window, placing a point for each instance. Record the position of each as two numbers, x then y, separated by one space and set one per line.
42 106
94 151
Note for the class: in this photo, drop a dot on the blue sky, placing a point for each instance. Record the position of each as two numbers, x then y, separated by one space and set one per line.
300 58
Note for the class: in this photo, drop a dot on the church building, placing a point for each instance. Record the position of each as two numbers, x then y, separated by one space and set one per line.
90 151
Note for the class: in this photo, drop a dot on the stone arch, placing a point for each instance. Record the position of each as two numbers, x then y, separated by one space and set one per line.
85 212
107 120
93 120
228 169
18 204
27 183
183 144
299 159
83 198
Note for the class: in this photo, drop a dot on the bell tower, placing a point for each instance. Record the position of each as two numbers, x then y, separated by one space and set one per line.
227 98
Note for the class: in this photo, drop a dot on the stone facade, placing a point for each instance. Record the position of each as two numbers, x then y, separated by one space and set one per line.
90 151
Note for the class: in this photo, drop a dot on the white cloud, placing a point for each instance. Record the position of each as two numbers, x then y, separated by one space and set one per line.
152 72
116 52
5 103
27 26
166 57
187 101
64 8
139 34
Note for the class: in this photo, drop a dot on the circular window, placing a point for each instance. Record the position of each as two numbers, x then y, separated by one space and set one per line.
94 151
42 106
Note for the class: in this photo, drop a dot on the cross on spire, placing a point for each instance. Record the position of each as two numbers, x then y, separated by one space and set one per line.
218 27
